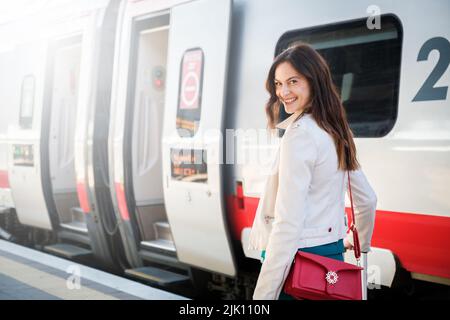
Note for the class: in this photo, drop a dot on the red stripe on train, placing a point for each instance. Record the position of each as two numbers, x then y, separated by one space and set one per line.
83 197
4 180
420 241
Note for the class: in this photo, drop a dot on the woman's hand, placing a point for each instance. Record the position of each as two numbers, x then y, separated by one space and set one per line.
347 245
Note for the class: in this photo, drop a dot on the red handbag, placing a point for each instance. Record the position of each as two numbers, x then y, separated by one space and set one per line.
316 277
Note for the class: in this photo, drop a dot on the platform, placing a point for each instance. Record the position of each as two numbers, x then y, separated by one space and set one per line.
30 274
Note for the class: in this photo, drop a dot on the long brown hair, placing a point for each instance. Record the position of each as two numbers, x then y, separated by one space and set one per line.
325 105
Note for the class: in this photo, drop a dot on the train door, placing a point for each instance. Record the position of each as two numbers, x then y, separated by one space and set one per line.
59 120
192 136
135 156
75 76
24 139
57 139
150 47
136 128
90 152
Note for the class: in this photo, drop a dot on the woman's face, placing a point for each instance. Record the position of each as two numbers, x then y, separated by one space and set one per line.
291 88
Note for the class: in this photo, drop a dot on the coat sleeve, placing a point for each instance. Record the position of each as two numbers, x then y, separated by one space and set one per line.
298 153
365 204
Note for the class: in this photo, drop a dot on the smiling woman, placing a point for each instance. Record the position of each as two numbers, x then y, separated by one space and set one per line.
305 195
294 92
308 88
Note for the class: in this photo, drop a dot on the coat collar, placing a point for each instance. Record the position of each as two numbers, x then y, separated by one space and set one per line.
285 123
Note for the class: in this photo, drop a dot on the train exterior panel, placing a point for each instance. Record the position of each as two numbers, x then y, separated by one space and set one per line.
167 150
407 164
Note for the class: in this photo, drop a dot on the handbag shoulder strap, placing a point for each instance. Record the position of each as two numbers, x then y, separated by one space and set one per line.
356 245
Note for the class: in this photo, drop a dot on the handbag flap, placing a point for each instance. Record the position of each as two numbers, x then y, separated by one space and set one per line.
328 277
327 263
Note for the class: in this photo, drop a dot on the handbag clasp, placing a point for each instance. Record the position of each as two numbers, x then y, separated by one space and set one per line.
332 277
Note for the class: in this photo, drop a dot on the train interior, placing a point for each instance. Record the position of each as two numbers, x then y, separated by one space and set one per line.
145 179
64 93
146 137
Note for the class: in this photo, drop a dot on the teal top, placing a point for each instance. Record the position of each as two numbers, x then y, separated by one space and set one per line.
332 250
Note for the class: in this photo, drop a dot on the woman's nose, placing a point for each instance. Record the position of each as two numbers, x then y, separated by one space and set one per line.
285 90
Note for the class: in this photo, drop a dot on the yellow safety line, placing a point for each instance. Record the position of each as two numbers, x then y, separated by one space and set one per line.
144 275
49 283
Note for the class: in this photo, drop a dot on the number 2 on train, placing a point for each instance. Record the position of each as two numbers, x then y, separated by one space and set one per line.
428 92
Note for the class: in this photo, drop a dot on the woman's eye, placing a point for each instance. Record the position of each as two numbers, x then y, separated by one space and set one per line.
293 81
277 84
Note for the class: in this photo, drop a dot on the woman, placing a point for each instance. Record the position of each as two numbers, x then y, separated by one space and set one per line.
303 205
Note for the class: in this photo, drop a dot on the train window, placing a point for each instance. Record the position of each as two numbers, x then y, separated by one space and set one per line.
190 92
189 165
365 65
27 101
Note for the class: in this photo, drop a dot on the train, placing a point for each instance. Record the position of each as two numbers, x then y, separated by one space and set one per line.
133 134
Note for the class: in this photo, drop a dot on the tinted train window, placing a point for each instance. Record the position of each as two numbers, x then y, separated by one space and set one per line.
190 92
365 65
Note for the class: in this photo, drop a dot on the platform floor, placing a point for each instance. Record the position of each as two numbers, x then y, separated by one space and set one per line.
27 274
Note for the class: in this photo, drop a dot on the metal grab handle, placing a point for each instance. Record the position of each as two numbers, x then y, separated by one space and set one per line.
364 264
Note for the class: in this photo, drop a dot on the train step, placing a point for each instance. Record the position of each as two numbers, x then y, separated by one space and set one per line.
162 231
75 226
78 222
68 251
78 215
159 244
157 276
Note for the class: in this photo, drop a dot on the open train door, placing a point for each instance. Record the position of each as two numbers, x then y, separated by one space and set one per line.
192 134
24 139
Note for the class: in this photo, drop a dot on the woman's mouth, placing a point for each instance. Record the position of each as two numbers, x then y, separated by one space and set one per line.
289 101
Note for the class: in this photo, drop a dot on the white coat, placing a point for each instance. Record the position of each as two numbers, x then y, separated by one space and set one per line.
303 203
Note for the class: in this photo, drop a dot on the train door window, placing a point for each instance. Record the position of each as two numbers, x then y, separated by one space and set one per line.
190 92
27 101
365 66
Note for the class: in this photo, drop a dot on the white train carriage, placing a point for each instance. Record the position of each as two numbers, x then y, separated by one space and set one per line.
393 79
393 82
59 67
185 72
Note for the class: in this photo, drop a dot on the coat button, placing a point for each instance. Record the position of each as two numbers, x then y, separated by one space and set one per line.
329 230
